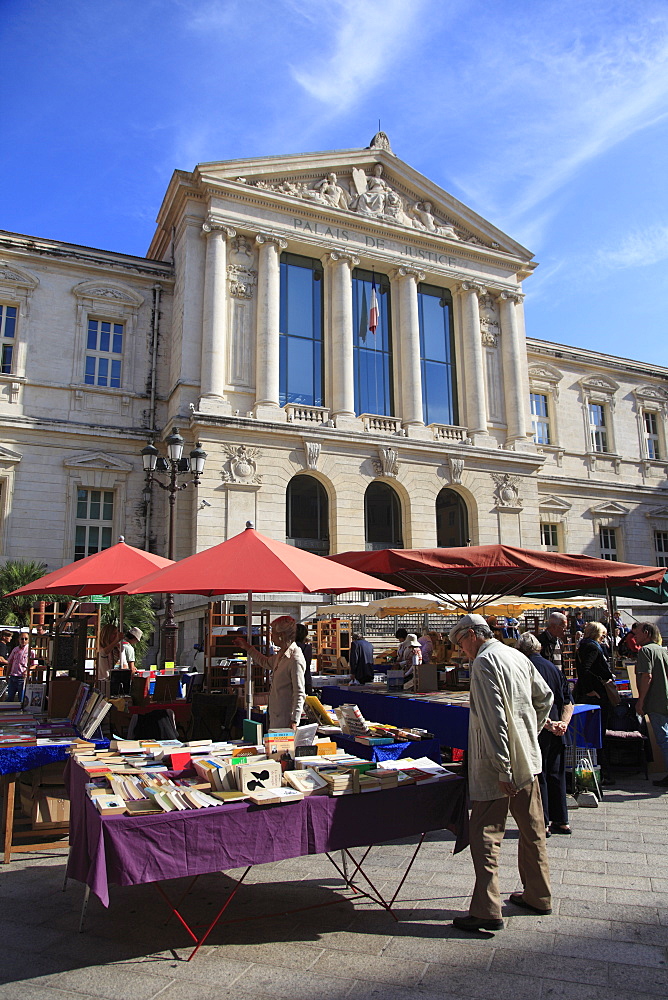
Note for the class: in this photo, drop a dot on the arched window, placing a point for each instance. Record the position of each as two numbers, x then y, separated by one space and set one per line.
452 522
300 367
307 515
372 351
382 518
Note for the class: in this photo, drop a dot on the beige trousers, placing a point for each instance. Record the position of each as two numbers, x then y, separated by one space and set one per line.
487 827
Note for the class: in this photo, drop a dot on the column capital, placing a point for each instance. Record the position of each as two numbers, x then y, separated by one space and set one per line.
211 225
508 295
409 272
345 255
474 286
278 241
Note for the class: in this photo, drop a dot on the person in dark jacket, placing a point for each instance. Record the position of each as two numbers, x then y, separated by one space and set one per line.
593 671
552 738
301 638
361 659
552 638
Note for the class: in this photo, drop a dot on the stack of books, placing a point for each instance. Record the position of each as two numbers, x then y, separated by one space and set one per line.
352 721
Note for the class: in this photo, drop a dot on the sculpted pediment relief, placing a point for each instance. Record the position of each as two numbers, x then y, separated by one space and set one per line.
106 291
652 393
599 383
544 373
10 274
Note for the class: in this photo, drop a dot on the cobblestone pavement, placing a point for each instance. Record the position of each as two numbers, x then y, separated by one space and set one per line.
607 937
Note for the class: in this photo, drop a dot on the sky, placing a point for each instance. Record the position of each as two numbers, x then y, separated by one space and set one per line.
550 119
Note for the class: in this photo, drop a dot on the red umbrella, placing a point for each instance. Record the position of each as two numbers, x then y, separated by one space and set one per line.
100 573
469 576
252 563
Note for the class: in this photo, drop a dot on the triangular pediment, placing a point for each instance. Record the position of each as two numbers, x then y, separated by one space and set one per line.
555 504
370 184
8 455
609 509
658 512
96 460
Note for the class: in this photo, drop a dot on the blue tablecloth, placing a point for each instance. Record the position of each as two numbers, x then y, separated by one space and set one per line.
16 759
425 748
448 723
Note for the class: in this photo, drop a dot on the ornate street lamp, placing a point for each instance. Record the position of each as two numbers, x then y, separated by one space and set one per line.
173 465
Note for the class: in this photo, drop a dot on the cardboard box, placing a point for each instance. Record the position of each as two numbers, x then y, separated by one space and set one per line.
47 810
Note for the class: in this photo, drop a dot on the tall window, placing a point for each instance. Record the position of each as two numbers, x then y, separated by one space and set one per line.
382 518
307 515
540 420
7 334
597 427
104 352
549 537
661 547
372 351
652 435
94 524
451 520
608 543
437 355
300 372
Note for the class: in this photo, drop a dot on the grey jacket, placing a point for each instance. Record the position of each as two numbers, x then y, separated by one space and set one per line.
510 702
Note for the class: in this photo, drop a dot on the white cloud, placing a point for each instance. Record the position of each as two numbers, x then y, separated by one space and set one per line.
642 248
368 35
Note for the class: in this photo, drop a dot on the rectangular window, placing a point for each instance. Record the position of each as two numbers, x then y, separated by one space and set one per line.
608 542
7 337
549 536
301 359
104 352
661 547
540 419
597 427
372 351
652 435
94 522
437 355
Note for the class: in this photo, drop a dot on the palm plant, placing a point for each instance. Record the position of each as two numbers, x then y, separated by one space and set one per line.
19 573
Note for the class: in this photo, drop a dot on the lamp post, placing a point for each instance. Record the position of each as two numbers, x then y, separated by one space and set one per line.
174 465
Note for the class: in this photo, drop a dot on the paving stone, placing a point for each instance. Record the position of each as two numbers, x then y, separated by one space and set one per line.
377 968
575 970
638 979
274 981
609 951
636 882
472 983
109 982
624 896
609 911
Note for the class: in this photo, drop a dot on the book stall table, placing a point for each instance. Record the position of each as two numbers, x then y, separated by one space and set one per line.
130 850
396 751
448 722
15 761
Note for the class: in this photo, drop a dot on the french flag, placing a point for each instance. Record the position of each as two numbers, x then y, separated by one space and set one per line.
373 311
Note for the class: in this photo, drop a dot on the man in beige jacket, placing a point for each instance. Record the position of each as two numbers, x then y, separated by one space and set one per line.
510 702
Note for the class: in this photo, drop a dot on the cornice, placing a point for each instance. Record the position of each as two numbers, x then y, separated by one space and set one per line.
592 488
117 432
583 356
32 248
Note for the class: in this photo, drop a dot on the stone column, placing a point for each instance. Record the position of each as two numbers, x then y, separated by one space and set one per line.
214 316
407 279
341 263
513 358
268 320
474 361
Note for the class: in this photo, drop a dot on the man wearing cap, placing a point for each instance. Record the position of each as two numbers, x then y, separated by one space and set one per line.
132 637
510 702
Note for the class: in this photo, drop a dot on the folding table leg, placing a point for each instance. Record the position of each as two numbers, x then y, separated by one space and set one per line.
9 782
84 907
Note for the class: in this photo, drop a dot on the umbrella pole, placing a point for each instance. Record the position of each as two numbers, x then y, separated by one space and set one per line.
249 658
121 600
611 632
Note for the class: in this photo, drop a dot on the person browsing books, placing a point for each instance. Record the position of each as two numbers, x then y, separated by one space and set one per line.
20 658
288 667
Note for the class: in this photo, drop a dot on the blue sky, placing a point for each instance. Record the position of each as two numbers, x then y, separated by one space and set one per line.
550 119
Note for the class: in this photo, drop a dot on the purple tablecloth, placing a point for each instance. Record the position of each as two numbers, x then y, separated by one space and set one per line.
127 850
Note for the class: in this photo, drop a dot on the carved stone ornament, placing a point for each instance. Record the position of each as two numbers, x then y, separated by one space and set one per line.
456 469
388 463
240 466
241 248
380 141
268 238
211 225
242 280
489 323
312 454
507 493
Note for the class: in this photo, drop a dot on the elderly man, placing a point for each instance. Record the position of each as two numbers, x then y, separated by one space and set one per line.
552 739
552 639
510 702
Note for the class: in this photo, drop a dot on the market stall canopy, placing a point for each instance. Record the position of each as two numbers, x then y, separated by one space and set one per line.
252 563
513 606
100 573
478 575
410 604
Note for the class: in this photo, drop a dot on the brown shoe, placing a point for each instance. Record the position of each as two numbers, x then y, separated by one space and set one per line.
517 899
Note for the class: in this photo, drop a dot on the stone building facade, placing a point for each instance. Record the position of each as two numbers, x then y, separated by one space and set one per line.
347 342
